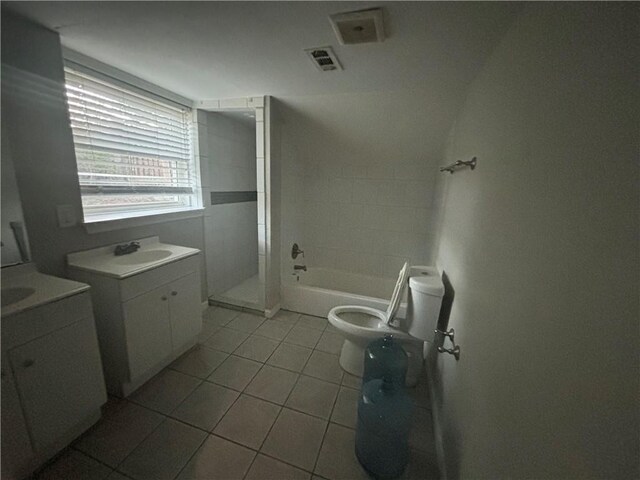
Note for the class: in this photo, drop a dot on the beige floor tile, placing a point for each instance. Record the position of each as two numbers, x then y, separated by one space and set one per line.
345 411
313 396
421 436
164 453
337 459
248 421
115 437
117 476
351 381
235 372
295 438
218 459
219 316
303 336
420 393
226 340
206 405
267 468
290 357
421 466
199 361
165 391
274 329
317 323
286 316
246 322
330 343
74 465
257 348
207 331
272 384
324 366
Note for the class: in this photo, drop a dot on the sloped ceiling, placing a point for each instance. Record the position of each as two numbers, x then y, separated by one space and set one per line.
205 50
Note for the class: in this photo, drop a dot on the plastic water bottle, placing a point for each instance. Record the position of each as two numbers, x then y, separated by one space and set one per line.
385 357
382 432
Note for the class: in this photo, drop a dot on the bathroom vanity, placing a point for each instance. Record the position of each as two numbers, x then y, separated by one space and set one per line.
52 381
147 307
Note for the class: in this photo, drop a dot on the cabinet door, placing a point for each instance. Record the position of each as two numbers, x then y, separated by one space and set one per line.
186 316
16 445
148 331
59 377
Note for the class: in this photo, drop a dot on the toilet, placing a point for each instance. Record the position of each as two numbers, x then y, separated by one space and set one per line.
360 325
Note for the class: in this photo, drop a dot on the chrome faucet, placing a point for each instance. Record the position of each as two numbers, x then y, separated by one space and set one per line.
300 267
126 248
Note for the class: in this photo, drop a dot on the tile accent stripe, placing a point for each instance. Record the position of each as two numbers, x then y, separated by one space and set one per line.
219 198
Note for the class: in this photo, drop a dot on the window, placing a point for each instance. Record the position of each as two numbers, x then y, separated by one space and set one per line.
133 152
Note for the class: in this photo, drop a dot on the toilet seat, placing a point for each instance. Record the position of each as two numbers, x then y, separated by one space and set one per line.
364 322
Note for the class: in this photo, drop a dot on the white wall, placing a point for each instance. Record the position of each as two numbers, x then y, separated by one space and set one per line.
35 113
231 228
358 172
541 245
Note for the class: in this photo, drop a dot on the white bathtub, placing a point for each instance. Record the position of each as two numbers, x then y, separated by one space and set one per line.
318 290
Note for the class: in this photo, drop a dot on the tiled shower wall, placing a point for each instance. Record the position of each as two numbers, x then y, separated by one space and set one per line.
357 209
231 233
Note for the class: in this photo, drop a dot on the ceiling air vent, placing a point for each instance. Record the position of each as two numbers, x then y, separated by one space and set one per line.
362 26
323 58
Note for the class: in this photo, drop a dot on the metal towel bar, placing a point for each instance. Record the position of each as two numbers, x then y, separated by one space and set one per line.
460 163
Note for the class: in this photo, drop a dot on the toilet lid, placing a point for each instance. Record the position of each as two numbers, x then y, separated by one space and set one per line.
396 297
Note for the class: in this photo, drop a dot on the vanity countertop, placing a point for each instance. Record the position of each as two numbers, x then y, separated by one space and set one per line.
46 288
152 254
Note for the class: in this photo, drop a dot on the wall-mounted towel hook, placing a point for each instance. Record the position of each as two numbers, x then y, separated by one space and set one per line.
459 164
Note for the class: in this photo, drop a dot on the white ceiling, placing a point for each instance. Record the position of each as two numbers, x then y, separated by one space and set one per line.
206 50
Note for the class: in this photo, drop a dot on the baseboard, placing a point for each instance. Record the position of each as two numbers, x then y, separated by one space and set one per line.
270 312
437 427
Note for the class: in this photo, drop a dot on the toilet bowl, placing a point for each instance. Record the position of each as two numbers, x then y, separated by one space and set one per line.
360 325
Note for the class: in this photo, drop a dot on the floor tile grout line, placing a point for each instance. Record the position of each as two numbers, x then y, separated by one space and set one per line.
326 429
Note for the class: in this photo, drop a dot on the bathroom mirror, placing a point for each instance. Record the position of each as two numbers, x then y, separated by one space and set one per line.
15 245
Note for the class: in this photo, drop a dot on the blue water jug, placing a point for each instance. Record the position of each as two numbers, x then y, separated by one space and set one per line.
382 431
385 357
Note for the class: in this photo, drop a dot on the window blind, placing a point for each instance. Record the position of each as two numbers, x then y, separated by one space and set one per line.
133 152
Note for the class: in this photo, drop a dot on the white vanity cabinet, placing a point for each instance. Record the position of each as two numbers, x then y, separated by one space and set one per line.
145 320
52 381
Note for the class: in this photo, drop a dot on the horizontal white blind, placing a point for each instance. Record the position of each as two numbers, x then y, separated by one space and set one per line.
132 151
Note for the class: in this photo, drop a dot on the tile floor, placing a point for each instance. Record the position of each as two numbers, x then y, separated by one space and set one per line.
255 399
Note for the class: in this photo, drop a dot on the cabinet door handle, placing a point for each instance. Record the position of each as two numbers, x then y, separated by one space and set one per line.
174 293
28 363
164 297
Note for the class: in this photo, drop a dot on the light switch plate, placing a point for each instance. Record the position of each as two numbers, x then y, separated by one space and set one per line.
66 216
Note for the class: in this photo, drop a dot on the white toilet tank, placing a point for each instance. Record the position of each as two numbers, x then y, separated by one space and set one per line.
423 302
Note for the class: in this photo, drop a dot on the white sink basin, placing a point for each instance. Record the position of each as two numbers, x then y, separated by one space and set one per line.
141 257
11 295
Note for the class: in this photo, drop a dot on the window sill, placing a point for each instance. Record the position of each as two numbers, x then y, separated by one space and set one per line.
120 223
